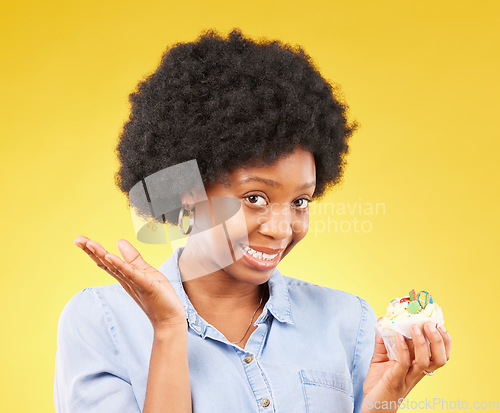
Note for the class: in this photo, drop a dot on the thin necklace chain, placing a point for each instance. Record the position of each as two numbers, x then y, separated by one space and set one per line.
236 342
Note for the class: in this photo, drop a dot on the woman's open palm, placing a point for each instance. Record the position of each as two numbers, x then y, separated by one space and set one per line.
149 288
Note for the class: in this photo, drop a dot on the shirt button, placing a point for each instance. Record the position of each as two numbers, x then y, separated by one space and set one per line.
248 359
265 402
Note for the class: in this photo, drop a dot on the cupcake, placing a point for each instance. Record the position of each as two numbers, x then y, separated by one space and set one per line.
402 313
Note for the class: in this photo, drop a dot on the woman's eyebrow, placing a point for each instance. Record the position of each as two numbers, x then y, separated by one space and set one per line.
270 182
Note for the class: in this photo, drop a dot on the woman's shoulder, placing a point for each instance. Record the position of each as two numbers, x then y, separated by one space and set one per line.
104 311
327 299
91 295
317 291
96 302
108 290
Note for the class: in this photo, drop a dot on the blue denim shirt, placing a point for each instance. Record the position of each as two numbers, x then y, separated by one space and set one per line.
310 352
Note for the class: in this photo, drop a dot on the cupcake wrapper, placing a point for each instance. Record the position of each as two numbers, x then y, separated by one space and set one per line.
390 336
390 345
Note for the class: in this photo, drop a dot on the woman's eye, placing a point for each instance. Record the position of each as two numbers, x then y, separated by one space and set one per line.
259 200
304 204
253 199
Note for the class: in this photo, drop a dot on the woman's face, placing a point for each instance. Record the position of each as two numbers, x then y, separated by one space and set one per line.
273 216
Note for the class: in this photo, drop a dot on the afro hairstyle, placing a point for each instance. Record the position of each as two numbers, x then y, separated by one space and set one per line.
232 102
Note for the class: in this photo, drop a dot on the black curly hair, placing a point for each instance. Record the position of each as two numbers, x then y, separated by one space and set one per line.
231 102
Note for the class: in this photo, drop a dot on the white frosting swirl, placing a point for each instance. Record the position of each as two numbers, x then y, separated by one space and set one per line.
397 319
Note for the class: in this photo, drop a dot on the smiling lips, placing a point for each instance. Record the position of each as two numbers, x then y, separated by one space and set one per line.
260 253
259 258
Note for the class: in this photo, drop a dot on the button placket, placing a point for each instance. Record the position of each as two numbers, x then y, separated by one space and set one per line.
255 376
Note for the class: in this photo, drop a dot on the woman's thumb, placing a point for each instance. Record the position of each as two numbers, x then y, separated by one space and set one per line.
131 255
380 352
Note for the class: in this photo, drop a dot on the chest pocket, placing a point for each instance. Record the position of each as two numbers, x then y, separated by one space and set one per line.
326 391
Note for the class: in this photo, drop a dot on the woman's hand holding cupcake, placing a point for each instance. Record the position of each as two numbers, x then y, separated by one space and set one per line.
390 379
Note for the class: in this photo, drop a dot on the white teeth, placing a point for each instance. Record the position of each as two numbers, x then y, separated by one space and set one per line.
259 255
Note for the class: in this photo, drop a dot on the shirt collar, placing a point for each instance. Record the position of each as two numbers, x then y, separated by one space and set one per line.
279 304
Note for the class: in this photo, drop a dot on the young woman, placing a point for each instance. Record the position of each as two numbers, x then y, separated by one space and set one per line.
217 328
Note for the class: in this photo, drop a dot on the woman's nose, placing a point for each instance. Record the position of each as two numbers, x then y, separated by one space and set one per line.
277 222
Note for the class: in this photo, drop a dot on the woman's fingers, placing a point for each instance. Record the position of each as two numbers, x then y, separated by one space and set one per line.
135 276
149 288
447 341
411 348
380 352
437 346
422 355
97 252
81 242
429 357
92 251
400 368
132 256
126 282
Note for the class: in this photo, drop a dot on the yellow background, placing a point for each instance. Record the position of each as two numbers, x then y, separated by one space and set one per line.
420 77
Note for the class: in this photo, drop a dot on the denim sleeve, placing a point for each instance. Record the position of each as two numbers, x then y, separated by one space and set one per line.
89 375
365 345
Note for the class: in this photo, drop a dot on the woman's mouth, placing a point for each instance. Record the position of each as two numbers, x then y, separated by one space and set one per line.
258 259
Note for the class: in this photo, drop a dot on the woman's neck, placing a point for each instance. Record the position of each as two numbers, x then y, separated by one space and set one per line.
218 293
